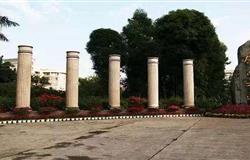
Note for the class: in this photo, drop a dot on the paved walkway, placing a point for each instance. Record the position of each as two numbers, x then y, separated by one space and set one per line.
137 139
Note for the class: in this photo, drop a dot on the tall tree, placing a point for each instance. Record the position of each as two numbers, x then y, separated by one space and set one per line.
190 34
138 35
5 22
102 43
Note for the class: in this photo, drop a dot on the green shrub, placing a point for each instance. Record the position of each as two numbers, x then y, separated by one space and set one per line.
124 103
35 104
87 103
8 89
207 104
165 103
91 87
38 91
105 104
7 103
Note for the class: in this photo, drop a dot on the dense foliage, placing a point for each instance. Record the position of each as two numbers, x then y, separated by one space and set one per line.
234 109
90 86
178 35
102 43
184 34
138 35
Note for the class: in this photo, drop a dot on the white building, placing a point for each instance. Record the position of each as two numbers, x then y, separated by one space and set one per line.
57 79
13 61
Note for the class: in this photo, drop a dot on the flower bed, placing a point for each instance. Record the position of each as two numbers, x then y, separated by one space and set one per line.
234 109
131 111
52 106
231 111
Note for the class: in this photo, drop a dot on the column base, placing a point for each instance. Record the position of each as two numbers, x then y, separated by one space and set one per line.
189 106
22 110
154 107
115 110
72 110
114 107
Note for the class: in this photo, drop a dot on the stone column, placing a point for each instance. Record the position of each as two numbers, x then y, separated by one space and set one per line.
114 81
153 86
72 77
188 82
23 77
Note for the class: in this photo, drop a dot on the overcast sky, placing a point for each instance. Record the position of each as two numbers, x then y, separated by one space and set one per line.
53 27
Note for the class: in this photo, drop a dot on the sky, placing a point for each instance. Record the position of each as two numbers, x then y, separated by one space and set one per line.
54 27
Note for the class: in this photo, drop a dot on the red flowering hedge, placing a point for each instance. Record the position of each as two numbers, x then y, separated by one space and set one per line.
173 108
96 108
234 109
115 110
51 101
192 110
135 109
135 105
136 101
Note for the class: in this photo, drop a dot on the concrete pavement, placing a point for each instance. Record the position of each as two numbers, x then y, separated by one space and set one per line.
191 138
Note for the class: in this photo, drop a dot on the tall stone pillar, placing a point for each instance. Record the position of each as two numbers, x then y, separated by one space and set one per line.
188 82
24 68
153 83
114 81
72 77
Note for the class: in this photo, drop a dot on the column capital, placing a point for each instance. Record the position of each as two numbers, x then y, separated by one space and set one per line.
153 59
187 61
114 57
73 54
25 49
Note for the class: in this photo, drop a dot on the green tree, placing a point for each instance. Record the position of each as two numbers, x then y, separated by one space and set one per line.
90 86
185 34
138 35
6 73
102 43
5 22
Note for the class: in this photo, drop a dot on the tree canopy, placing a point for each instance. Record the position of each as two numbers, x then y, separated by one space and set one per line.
102 43
178 35
138 35
189 34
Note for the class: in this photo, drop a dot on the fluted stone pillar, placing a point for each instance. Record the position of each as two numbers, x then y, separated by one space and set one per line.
72 77
153 83
114 81
188 82
24 67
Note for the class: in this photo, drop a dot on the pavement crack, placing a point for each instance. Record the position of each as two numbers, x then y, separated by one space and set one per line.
175 139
